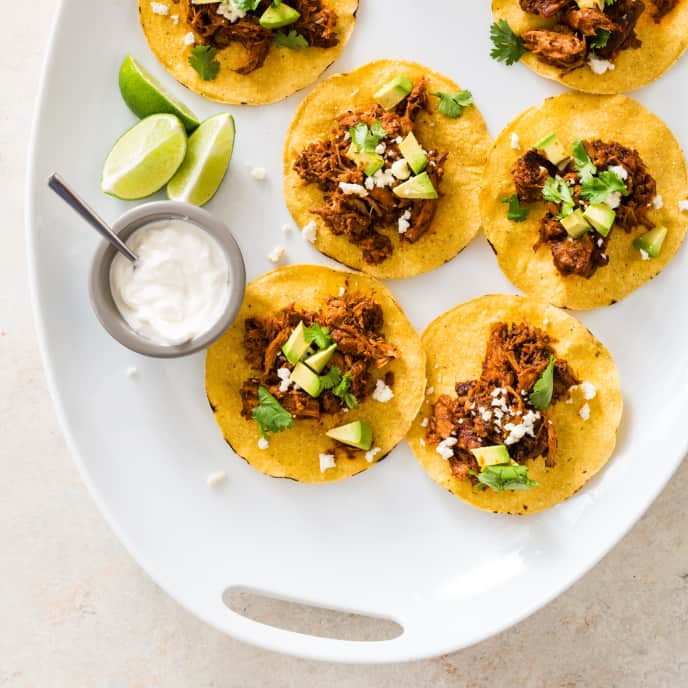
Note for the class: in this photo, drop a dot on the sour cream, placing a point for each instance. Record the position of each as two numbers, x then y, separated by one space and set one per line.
178 288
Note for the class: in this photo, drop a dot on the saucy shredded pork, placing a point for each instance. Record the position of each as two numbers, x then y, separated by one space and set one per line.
583 256
495 409
362 217
355 323
316 24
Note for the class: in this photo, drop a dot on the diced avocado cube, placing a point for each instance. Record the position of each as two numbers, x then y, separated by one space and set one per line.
418 187
317 362
390 95
296 346
591 4
553 149
651 242
575 224
358 434
491 456
277 17
305 378
601 217
370 162
413 153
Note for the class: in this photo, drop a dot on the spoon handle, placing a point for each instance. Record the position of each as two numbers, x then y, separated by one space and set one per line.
71 198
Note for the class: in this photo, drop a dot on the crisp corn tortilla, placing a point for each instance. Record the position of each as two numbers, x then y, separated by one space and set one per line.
466 139
294 453
285 71
662 45
577 116
455 346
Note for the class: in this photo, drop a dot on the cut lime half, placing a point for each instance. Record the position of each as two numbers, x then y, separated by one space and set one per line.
144 158
145 95
207 160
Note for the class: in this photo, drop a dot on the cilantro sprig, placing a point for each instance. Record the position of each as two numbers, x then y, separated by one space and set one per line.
452 105
507 46
504 477
558 191
246 5
597 189
584 165
343 391
318 335
202 59
331 378
270 415
365 138
600 39
516 211
292 40
541 394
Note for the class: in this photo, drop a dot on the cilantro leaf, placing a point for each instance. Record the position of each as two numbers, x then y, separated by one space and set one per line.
366 139
319 335
342 390
600 39
516 212
331 378
202 59
452 105
596 189
270 414
508 46
558 191
292 40
586 170
378 130
541 394
246 5
505 477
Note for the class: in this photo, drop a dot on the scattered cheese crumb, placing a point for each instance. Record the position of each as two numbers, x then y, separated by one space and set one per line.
599 66
613 199
381 148
276 254
444 448
310 231
352 189
644 254
327 461
683 206
286 229
619 170
589 390
259 173
160 8
382 178
214 479
284 374
424 422
515 142
520 430
189 39
229 10
132 372
429 391
382 392
658 202
174 18
398 140
263 443
584 411
342 291
370 456
404 222
422 442
569 401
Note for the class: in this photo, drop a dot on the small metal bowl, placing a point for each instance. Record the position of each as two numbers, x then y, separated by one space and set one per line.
99 283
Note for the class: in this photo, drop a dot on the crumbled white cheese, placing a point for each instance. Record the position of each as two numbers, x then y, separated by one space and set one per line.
515 141
342 291
383 178
369 183
422 442
398 140
370 456
259 173
381 148
424 422
486 415
444 448
382 392
310 231
619 170
400 169
658 202
214 479
599 66
326 461
189 39
430 390
613 199
589 390
584 411
286 229
160 8
352 189
174 18
520 430
644 254
284 374
404 222
683 206
132 372
276 254
569 401
230 11
600 242
263 443
347 135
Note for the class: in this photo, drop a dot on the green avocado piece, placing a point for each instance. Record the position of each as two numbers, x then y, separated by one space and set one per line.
651 242
317 362
575 224
413 153
391 94
296 346
370 162
495 455
600 216
277 17
553 149
305 378
418 187
358 434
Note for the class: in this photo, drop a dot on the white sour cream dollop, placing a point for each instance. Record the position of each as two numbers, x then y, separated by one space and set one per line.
179 287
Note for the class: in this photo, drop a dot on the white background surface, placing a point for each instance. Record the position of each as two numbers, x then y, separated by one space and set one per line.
77 611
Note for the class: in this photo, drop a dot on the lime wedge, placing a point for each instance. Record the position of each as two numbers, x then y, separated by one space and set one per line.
207 160
144 158
145 95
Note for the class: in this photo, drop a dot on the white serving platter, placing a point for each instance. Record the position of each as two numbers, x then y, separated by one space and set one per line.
389 542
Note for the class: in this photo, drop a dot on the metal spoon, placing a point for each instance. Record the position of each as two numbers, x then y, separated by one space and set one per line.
71 198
